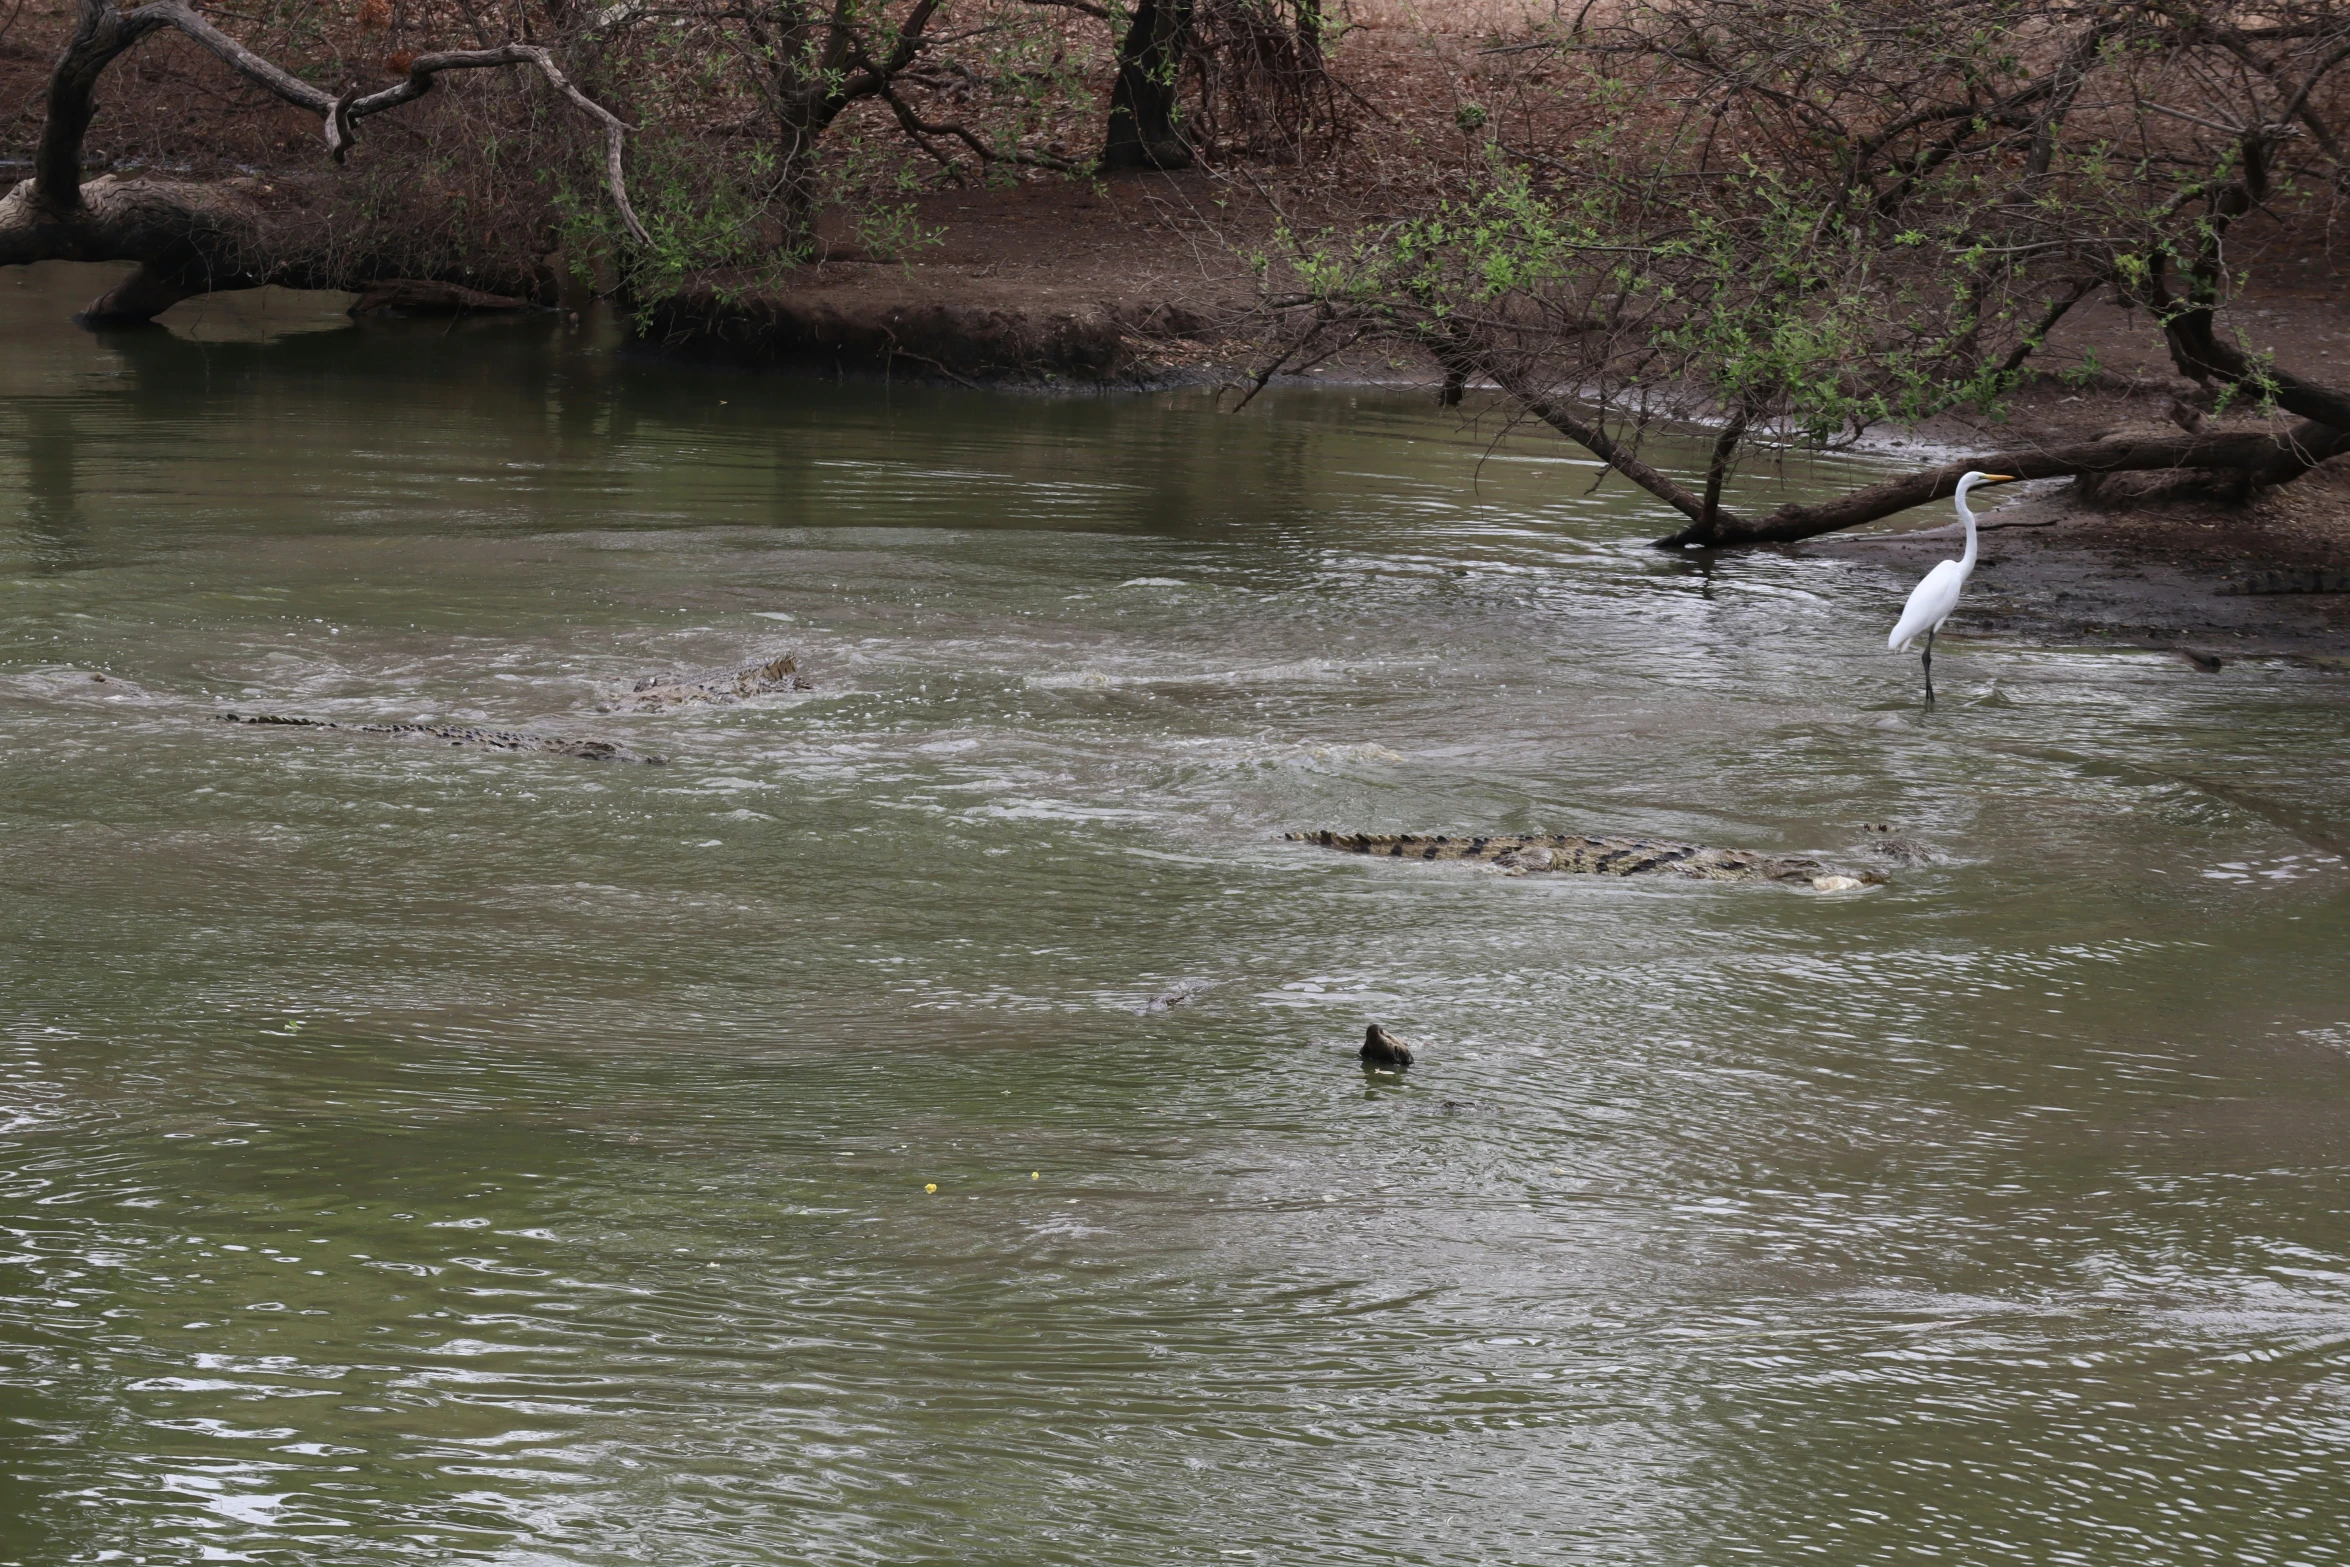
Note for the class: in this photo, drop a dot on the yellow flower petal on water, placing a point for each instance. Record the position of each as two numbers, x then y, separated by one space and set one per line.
931 1187
1035 1175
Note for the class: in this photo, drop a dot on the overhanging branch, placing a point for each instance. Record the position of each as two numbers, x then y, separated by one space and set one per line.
104 33
2264 456
343 113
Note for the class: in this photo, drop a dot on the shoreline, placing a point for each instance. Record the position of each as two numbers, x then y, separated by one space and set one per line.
2056 571
2053 573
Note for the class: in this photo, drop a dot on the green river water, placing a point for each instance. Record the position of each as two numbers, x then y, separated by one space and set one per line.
416 1155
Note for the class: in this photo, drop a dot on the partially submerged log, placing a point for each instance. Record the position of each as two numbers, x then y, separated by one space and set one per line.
1576 855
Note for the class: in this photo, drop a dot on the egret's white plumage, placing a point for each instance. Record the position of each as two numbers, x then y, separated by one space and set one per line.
1932 600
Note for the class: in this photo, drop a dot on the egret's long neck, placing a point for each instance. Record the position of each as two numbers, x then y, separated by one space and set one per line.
1966 562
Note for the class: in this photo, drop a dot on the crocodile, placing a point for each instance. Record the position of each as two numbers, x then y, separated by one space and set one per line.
1189 990
2290 579
1885 843
461 734
712 687
1575 854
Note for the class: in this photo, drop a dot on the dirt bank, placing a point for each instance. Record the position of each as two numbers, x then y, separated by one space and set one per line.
2168 576
1111 283
2124 569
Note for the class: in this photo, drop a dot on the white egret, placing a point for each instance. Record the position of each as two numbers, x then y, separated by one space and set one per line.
1932 600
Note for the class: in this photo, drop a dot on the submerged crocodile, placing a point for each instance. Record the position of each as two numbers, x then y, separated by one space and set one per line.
460 734
1574 854
2290 579
713 687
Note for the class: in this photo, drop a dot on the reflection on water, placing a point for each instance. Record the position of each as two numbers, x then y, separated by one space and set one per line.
417 1155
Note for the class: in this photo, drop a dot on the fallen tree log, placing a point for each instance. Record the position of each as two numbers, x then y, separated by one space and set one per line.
2256 456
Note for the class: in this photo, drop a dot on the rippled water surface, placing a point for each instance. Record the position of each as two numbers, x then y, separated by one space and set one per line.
414 1154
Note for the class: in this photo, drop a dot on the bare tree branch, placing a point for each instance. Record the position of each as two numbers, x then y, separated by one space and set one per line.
342 113
105 33
920 130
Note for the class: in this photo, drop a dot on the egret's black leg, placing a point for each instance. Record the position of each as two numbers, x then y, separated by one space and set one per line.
1929 661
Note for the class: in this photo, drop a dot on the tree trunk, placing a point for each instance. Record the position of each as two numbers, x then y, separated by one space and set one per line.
800 126
813 83
1311 26
2201 354
1144 105
1717 469
187 239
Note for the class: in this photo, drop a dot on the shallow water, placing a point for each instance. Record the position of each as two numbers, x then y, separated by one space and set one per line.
410 1154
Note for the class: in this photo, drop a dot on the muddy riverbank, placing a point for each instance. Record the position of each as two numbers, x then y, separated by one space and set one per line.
2172 578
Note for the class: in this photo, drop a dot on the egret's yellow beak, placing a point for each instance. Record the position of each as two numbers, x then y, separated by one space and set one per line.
1999 478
